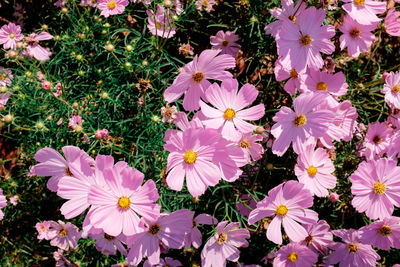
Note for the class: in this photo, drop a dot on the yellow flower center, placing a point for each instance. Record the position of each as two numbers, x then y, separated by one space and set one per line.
225 43
377 140
124 202
396 88
158 25
190 157
205 3
12 36
43 228
294 74
359 2
281 210
309 239
321 86
379 188
356 32
300 120
385 230
292 18
68 172
312 171
154 229
63 232
305 40
229 114
352 247
292 257
2 77
222 238
244 144
198 77
112 4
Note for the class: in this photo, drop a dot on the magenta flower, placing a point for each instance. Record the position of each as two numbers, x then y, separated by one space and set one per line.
295 81
301 125
392 22
10 34
111 7
382 234
391 89
193 79
116 206
226 42
334 84
314 169
287 203
34 49
75 122
319 236
364 11
66 236
3 203
163 230
351 252
295 255
229 113
299 44
54 165
44 230
161 22
6 76
194 236
107 244
376 187
377 140
224 244
356 37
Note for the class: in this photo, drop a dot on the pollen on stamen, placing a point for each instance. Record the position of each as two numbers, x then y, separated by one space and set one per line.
379 188
244 144
359 2
198 77
294 74
281 210
225 43
292 257
305 40
385 230
154 229
396 88
222 238
190 157
321 86
300 120
353 248
312 171
124 202
229 114
354 33
112 4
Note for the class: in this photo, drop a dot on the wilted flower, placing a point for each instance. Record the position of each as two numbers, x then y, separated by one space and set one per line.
168 113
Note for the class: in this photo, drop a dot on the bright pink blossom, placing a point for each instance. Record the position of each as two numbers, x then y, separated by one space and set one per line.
10 34
287 203
295 81
193 79
44 230
226 42
334 84
224 244
295 255
377 140
194 238
392 22
382 234
248 143
161 22
319 236
3 203
75 122
34 49
111 7
364 11
391 89
66 236
376 188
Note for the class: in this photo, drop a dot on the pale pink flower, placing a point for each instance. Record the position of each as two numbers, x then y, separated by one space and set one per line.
166 262
194 238
334 84
301 125
44 231
111 7
193 80
10 34
392 22
394 146
75 121
91 3
4 99
295 255
364 11
351 252
230 112
376 188
3 203
66 236
46 85
299 44
160 23
295 81
224 244
34 49
40 75
382 234
186 50
391 89
14 200
169 230
356 37
314 169
6 76
226 42
57 93
287 203
108 244
377 140
319 236
168 113
205 5
248 143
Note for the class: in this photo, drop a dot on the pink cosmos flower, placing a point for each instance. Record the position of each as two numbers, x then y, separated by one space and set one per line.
3 203
295 255
66 236
334 197
356 37
252 150
246 204
46 85
163 230
351 252
194 236
288 11
10 34
334 84
4 99
382 234
205 5
6 77
226 42
392 22
167 261
193 79
61 260
168 113
75 122
91 3
230 113
301 125
186 50
14 200
115 208
287 203
364 11
295 81
319 236
224 244
111 7
161 22
299 44
376 187
314 169
54 165
44 230
34 49
391 89
107 244
377 140
394 146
